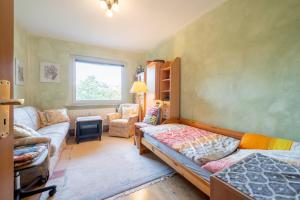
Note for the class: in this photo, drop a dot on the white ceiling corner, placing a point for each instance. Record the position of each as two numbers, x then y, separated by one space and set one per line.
140 24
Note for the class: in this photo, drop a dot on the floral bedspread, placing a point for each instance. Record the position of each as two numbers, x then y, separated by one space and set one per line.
199 145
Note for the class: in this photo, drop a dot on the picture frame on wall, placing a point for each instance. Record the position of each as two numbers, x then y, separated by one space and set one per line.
19 72
49 72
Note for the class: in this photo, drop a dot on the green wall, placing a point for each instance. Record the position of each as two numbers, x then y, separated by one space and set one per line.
43 49
241 66
20 53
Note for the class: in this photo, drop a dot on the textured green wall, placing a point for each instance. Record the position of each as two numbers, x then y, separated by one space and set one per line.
42 49
241 66
20 53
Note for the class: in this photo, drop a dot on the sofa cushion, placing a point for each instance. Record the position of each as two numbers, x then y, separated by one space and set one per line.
119 123
27 116
57 133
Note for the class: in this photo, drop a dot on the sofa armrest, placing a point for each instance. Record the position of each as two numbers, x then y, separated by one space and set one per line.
112 116
31 141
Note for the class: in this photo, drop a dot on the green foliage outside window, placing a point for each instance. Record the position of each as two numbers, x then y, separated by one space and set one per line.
92 89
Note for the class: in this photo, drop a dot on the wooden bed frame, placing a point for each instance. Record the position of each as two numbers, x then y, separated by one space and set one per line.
195 179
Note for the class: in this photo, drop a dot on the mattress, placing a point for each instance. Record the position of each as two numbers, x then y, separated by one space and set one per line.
188 163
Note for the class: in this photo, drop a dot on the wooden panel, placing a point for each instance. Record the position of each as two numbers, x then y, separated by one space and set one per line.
219 190
6 73
152 81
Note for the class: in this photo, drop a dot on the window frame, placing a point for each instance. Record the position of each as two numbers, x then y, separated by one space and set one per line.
97 61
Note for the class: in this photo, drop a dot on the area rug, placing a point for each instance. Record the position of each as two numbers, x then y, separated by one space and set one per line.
96 170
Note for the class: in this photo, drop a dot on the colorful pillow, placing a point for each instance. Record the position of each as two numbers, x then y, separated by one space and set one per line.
152 116
49 117
256 141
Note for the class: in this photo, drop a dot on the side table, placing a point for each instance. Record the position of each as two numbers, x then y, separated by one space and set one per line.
88 128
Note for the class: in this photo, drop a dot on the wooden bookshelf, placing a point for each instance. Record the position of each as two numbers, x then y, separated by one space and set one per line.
163 82
170 89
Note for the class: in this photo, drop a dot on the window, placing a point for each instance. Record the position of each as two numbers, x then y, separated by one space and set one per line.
97 81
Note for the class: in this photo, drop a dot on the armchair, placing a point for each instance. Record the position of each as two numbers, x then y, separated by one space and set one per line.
121 123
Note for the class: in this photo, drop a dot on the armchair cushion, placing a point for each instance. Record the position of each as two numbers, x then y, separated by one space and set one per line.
121 123
113 116
128 110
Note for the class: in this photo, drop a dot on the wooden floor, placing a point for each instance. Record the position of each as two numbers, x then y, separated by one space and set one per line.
173 188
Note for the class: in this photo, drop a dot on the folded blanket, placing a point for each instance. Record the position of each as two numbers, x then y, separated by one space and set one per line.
23 155
199 145
291 157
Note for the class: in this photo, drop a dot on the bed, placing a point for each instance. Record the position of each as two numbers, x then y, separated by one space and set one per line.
187 165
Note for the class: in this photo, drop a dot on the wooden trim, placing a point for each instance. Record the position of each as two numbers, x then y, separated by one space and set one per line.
219 189
212 128
195 179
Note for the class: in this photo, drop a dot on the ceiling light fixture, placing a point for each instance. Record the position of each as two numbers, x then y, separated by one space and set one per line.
109 6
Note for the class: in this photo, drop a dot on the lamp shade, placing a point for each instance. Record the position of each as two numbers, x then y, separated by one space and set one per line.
138 87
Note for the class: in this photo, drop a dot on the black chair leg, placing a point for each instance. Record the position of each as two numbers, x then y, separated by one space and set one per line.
26 192
51 189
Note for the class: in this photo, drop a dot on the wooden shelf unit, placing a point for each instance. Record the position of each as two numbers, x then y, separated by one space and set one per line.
163 82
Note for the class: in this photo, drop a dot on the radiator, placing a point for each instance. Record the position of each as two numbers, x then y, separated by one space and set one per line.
73 114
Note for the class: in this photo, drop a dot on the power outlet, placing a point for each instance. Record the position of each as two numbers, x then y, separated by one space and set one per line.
4 109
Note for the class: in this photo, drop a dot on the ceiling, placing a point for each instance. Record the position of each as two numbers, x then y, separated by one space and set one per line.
139 25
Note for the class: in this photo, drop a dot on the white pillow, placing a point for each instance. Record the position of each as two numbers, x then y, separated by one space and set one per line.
21 131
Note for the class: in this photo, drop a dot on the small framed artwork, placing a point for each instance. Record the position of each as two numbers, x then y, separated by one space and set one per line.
19 72
49 72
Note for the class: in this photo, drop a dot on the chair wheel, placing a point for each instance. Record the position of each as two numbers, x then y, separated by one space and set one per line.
52 192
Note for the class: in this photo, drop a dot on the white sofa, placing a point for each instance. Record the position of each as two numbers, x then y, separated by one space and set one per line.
57 132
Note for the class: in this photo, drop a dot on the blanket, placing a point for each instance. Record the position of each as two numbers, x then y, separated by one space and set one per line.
262 177
199 145
291 157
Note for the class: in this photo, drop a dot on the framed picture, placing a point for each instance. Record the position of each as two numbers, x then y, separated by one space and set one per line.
19 73
49 72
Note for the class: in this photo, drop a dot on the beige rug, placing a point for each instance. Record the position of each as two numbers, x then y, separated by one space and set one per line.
96 170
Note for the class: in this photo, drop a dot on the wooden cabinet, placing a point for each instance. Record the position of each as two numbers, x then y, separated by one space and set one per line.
152 74
163 82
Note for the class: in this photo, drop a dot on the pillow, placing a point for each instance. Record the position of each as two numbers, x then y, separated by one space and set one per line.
254 141
152 116
22 131
49 117
56 116
127 112
43 118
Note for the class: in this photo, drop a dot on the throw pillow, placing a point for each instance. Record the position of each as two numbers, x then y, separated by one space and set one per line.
152 116
43 118
49 117
56 116
22 131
